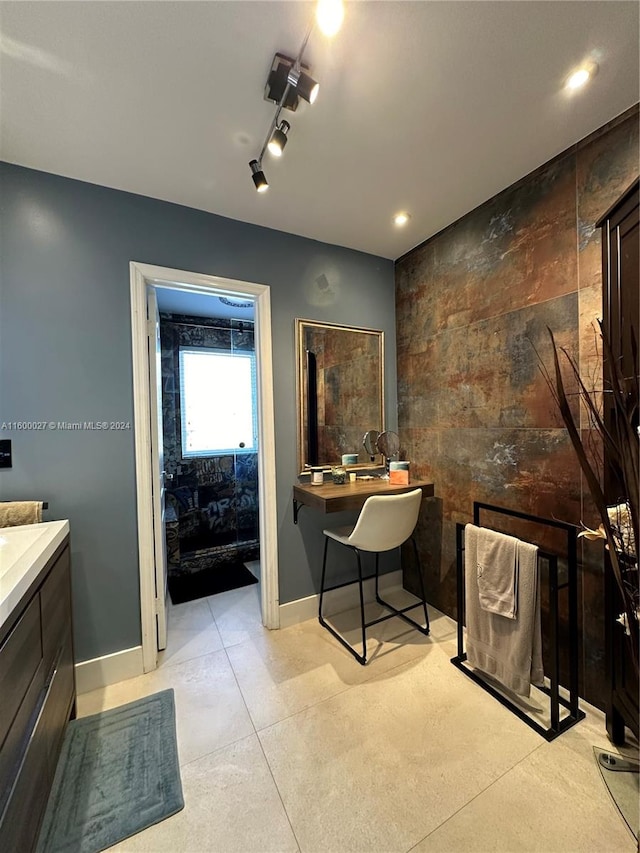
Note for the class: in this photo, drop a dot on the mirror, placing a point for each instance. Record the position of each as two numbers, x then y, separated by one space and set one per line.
388 444
370 443
340 383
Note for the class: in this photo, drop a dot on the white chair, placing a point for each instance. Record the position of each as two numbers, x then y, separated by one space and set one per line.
385 522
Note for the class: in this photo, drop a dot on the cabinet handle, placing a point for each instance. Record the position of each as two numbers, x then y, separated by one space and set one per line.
54 668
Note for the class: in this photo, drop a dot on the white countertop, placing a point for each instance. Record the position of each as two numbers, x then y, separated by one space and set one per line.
24 552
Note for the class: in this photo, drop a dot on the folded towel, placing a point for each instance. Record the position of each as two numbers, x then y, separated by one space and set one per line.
510 650
497 567
14 513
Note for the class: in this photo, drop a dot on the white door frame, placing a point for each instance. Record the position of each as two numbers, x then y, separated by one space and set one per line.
141 276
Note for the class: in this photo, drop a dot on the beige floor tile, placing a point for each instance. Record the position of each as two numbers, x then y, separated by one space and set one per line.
184 645
405 753
592 732
231 806
389 643
237 614
191 633
379 766
189 616
554 801
283 672
443 628
210 710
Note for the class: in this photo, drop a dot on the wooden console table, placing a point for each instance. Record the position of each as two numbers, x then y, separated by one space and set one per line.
332 498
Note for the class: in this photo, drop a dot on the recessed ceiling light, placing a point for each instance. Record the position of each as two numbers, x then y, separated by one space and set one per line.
329 15
401 219
581 76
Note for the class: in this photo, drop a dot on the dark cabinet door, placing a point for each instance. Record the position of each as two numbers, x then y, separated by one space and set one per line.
621 315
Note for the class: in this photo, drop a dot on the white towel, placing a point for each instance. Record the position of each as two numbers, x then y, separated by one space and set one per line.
510 650
497 567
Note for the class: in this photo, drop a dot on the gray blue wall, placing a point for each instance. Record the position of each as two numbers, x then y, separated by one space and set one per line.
65 355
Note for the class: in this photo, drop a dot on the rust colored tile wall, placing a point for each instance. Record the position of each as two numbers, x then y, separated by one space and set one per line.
473 305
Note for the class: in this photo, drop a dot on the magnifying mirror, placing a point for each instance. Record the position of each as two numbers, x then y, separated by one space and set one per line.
370 443
388 444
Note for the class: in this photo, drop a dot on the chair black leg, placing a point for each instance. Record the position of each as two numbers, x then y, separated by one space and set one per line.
401 612
422 589
322 579
364 632
377 576
362 659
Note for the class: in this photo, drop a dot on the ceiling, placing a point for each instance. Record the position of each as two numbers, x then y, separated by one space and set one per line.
181 301
430 107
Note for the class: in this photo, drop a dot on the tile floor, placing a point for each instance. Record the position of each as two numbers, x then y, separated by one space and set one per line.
287 744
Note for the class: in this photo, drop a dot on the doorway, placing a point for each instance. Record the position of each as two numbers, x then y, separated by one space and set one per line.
210 442
144 279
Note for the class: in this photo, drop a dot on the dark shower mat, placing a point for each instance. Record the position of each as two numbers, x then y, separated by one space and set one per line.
189 586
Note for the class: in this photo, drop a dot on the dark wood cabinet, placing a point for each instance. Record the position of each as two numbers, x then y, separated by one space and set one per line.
37 698
621 321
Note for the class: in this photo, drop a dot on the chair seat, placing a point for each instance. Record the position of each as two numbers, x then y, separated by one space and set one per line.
340 534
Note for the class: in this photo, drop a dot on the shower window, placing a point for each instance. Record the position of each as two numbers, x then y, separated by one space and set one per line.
217 401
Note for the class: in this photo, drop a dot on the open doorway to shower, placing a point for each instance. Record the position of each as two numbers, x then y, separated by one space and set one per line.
148 379
210 443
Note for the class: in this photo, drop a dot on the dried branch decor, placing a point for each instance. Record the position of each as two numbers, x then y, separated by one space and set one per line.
620 445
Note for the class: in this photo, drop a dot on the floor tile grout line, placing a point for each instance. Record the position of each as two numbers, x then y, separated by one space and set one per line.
213 615
348 687
217 749
433 643
257 736
479 794
345 689
168 664
284 808
244 701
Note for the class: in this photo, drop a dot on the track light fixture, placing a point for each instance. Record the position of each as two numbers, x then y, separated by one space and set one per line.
305 86
279 139
289 80
259 179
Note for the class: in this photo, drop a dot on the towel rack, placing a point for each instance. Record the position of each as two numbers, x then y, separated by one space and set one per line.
558 726
45 504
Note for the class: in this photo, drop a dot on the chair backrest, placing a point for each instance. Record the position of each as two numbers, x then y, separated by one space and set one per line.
386 521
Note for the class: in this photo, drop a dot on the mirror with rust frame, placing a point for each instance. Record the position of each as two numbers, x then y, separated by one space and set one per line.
340 384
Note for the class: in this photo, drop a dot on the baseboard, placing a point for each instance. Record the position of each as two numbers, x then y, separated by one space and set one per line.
109 669
336 601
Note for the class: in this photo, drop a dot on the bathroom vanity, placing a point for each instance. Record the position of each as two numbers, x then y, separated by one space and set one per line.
37 681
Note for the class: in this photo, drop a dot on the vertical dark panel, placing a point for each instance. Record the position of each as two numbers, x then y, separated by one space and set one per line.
620 254
312 408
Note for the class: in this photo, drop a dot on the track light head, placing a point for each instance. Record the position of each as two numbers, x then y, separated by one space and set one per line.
258 176
279 139
305 86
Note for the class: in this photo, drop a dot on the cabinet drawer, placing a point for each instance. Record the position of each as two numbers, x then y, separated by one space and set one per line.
20 823
19 659
16 740
55 602
58 704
